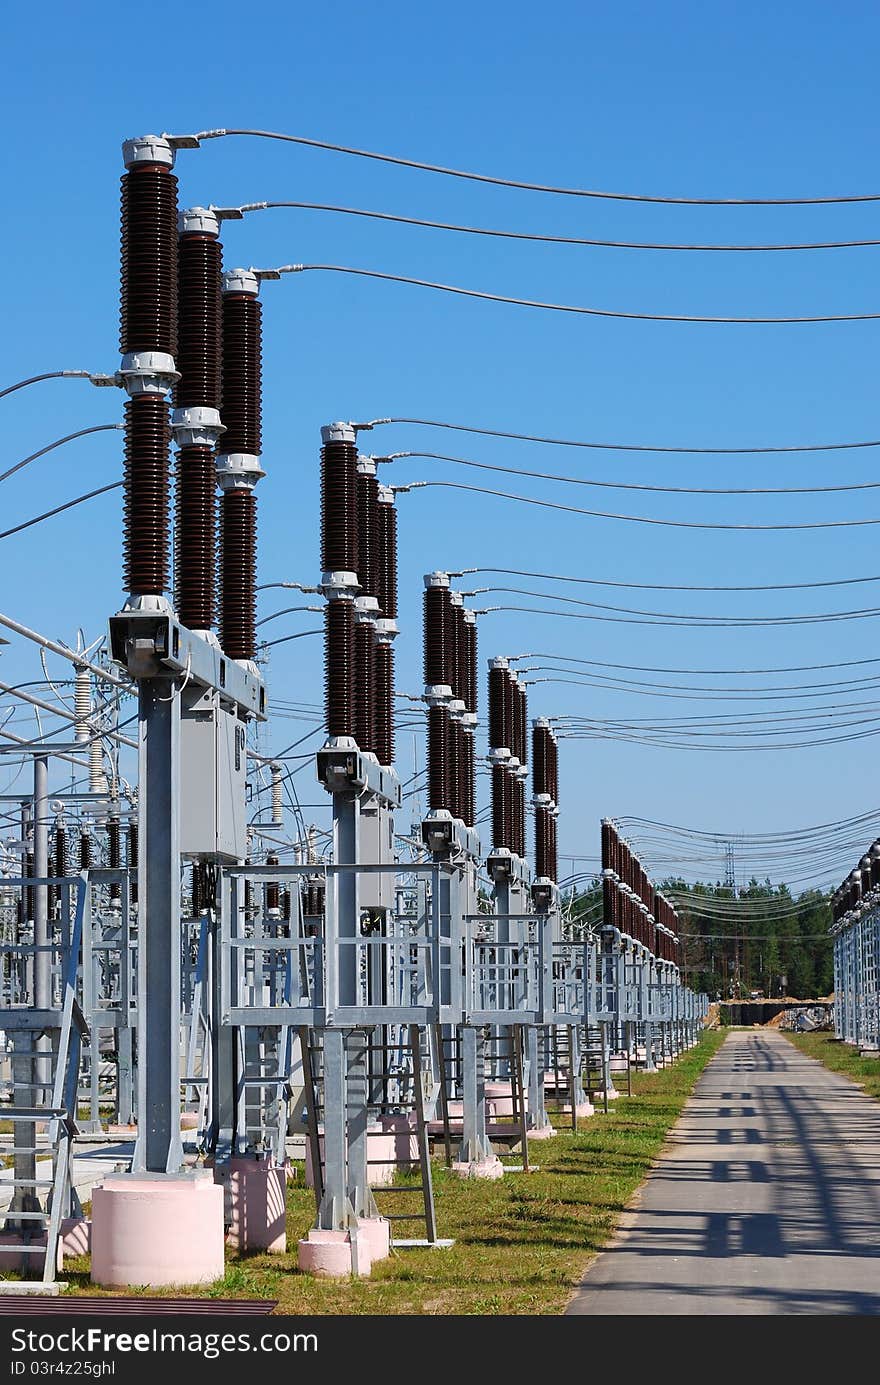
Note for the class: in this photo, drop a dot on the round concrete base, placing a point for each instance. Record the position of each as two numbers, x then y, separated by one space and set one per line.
480 1168
157 1230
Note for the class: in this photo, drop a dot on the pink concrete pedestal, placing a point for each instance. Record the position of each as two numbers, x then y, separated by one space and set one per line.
383 1147
499 1099
480 1168
327 1254
255 1202
375 1234
543 1132
157 1229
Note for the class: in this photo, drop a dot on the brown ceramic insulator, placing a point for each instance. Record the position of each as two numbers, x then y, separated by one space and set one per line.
554 769
437 643
539 763
273 889
132 856
148 308
339 507
365 685
51 891
522 753
469 775
367 533
471 641
238 573
509 810
320 892
554 847
542 842
509 723
461 772
114 854
610 903
196 891
285 905
521 814
85 850
61 850
459 683
384 702
339 667
195 538
499 807
454 804
147 439
438 759
497 683
242 368
199 322
606 844
386 560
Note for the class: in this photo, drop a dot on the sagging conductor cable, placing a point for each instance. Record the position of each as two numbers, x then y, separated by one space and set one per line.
193 141
576 308
237 212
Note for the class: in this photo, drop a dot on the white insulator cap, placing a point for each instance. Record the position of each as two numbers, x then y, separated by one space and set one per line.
240 281
385 495
365 609
237 471
339 584
201 221
147 149
499 662
436 579
196 426
437 693
366 465
338 432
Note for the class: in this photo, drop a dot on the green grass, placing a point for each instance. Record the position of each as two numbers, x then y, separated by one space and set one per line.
521 1244
839 1057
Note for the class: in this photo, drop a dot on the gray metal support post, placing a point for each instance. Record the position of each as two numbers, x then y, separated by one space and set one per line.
334 1213
475 1146
159 1148
357 1095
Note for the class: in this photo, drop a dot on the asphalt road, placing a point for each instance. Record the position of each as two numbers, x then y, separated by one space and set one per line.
766 1202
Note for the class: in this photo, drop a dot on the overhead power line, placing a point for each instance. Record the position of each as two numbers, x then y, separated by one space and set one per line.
576 308
96 378
38 519
635 519
224 212
619 446
626 485
665 586
727 672
673 616
59 442
527 186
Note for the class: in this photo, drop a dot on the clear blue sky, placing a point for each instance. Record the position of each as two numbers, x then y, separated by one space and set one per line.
745 100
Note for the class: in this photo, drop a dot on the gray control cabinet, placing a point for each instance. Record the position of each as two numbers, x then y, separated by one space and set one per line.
213 771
